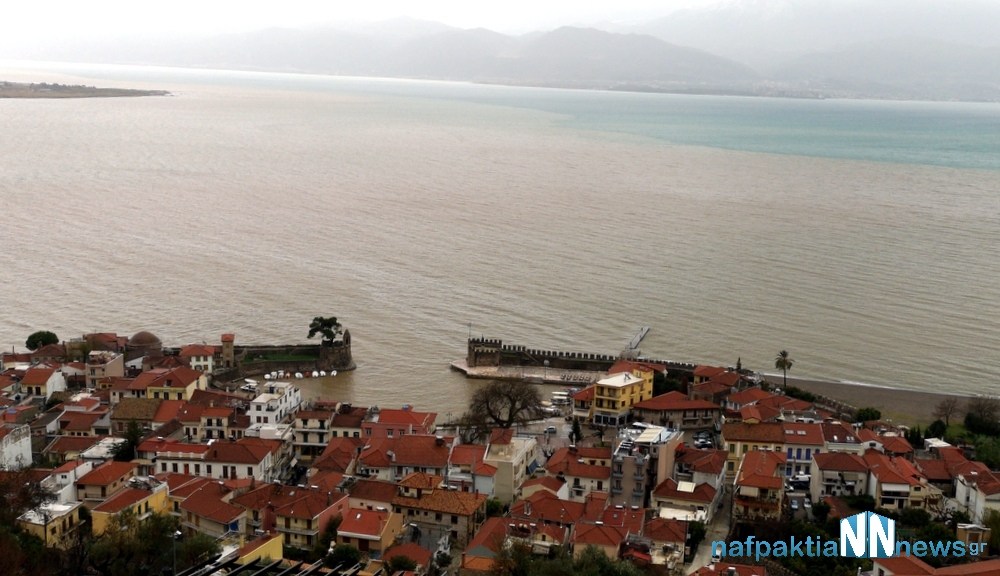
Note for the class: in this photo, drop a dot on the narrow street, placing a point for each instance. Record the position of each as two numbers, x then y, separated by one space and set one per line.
717 530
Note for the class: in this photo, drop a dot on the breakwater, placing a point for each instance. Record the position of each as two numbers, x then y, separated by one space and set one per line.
491 358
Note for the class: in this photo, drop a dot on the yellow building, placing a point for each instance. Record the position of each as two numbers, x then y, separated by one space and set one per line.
615 395
268 547
143 502
54 523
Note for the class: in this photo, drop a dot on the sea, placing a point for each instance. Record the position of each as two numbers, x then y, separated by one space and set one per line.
863 237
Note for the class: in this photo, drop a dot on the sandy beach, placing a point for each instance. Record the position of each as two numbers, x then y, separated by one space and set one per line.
905 406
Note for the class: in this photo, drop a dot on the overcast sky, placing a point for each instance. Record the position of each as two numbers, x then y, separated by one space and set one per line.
76 18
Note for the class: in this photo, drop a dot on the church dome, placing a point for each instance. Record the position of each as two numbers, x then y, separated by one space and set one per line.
145 340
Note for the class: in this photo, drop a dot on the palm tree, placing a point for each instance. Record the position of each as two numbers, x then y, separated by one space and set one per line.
784 363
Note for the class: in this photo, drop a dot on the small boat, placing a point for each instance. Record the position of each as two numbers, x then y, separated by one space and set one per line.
322 372
250 381
333 372
298 374
267 376
315 374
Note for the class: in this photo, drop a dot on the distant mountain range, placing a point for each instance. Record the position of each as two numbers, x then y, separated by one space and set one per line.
902 49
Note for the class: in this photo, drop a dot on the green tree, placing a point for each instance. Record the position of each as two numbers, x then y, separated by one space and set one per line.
821 510
126 451
914 517
401 563
784 363
329 534
577 431
868 414
343 555
494 507
39 339
329 328
937 429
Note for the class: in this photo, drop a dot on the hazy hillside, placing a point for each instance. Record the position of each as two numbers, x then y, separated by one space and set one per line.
911 49
766 33
904 68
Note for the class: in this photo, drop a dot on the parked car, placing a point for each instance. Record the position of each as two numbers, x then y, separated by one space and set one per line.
551 430
795 505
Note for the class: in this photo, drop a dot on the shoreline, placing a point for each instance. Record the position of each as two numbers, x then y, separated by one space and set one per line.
911 407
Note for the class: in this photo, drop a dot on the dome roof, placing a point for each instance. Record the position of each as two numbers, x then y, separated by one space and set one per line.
144 339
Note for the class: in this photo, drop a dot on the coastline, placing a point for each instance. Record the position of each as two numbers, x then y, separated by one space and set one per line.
911 407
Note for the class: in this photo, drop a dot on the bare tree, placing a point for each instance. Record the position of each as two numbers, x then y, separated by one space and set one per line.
503 403
946 409
984 407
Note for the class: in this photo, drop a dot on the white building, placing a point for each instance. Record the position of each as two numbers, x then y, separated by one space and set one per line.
278 401
15 446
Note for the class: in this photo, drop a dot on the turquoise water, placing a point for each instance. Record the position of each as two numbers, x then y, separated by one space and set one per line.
962 135
958 135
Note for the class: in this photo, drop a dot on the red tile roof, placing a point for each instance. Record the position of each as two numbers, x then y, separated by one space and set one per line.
765 432
309 505
666 530
122 500
79 421
407 417
575 464
599 535
840 462
409 450
673 401
551 483
37 376
207 502
363 523
723 569
585 395
748 396
373 490
908 566
704 461
669 489
468 454
891 470
66 444
107 473
761 469
802 433
339 454
501 436
543 506
444 501
422 556
196 350
632 519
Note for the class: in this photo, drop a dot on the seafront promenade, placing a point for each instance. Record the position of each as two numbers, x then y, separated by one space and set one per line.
533 374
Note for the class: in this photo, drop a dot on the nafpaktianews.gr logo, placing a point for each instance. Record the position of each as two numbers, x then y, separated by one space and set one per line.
864 535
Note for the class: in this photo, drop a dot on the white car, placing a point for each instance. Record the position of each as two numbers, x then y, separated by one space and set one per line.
795 505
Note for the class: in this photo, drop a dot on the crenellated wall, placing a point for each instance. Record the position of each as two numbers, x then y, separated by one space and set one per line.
493 352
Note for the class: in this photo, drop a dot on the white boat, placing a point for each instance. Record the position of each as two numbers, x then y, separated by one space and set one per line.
267 376
333 372
322 372
298 374
315 374
250 381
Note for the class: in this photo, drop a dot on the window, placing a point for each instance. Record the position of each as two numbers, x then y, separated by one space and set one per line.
437 516
454 519
249 470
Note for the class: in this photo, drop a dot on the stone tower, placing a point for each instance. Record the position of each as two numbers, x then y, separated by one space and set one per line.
228 354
